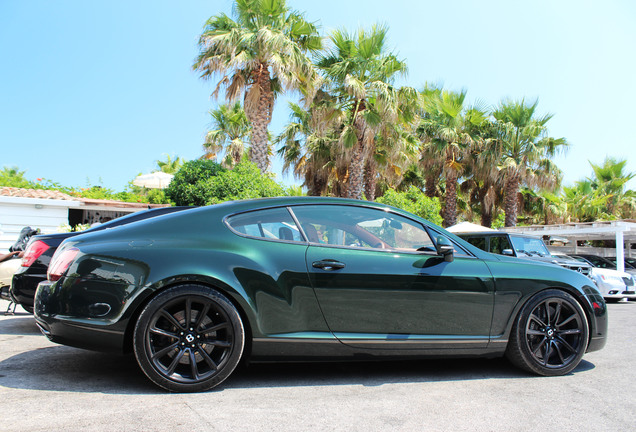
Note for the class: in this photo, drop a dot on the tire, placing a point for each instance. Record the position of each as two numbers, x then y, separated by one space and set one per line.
550 334
189 338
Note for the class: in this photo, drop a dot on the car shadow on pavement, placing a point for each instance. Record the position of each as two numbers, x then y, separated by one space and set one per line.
61 368
18 324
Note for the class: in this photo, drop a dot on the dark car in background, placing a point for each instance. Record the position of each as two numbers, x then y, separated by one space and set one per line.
521 246
308 278
41 248
605 263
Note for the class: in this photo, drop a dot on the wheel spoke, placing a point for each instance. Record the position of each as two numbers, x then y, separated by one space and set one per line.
214 328
164 351
188 312
532 332
567 345
173 320
162 332
537 320
222 344
208 360
558 351
193 365
175 362
569 332
557 313
202 315
548 351
567 320
538 348
547 312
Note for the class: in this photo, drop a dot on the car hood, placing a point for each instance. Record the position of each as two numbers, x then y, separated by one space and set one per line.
610 273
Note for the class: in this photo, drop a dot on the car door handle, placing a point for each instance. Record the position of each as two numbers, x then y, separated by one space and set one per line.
328 265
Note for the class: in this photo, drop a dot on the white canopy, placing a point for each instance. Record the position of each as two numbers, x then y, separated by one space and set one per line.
155 180
467 227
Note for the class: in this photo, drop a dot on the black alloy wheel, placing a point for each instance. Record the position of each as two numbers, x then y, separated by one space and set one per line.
550 335
188 339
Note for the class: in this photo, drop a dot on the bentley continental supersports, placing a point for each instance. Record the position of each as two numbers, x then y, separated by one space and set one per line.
306 279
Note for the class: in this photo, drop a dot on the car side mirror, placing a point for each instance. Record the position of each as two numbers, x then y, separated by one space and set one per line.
445 248
508 252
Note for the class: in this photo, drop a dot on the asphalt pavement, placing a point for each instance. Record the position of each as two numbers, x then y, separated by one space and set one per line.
49 387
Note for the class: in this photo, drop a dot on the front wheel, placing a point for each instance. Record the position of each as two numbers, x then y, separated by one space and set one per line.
188 339
550 335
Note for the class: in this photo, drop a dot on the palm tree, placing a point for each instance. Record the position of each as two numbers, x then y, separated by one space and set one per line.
450 132
524 151
230 129
170 166
259 54
308 144
610 180
361 73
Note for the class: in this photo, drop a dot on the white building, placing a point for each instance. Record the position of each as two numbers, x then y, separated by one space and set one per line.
49 209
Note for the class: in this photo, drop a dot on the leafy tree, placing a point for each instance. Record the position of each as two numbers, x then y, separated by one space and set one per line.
256 55
361 73
189 185
230 130
203 182
524 152
414 201
13 177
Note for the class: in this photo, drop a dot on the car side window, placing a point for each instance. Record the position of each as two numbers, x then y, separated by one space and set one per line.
361 227
276 224
479 242
498 244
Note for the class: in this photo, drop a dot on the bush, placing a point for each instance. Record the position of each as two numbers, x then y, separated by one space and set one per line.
203 182
414 201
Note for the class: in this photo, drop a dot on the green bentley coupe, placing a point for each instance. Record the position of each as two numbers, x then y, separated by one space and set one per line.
295 279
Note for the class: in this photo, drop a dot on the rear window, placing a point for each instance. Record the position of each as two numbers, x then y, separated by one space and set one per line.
274 224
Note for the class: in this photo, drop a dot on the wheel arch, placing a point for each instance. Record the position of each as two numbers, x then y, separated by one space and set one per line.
578 296
238 301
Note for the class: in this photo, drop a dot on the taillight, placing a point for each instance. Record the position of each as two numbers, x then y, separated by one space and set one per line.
33 252
60 263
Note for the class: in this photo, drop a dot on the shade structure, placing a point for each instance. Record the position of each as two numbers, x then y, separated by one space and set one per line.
155 180
467 227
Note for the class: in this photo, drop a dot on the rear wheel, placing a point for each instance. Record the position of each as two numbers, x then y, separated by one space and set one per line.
188 339
550 335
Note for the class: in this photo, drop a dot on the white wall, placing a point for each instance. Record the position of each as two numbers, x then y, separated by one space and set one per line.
16 213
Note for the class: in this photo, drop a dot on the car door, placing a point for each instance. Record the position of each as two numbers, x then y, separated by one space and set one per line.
376 290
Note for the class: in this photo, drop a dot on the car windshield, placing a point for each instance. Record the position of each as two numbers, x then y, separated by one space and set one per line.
529 246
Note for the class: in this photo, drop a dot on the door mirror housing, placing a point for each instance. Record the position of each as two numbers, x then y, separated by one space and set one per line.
445 248
508 252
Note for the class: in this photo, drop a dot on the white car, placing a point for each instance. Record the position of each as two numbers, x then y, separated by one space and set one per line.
614 284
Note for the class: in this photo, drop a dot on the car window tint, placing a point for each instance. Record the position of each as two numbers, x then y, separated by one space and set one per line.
361 227
274 224
479 242
498 244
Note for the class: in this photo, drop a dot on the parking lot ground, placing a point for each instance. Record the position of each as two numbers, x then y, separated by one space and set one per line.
49 387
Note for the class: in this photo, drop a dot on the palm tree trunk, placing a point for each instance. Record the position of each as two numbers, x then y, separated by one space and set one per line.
430 183
510 200
487 205
450 201
356 171
261 119
370 178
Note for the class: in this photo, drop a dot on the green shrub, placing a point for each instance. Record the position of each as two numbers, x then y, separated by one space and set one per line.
414 201
203 182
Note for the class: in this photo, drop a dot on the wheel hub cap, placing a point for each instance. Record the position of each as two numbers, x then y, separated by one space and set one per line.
189 338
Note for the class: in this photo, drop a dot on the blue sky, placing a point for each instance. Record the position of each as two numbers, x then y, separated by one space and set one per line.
98 91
